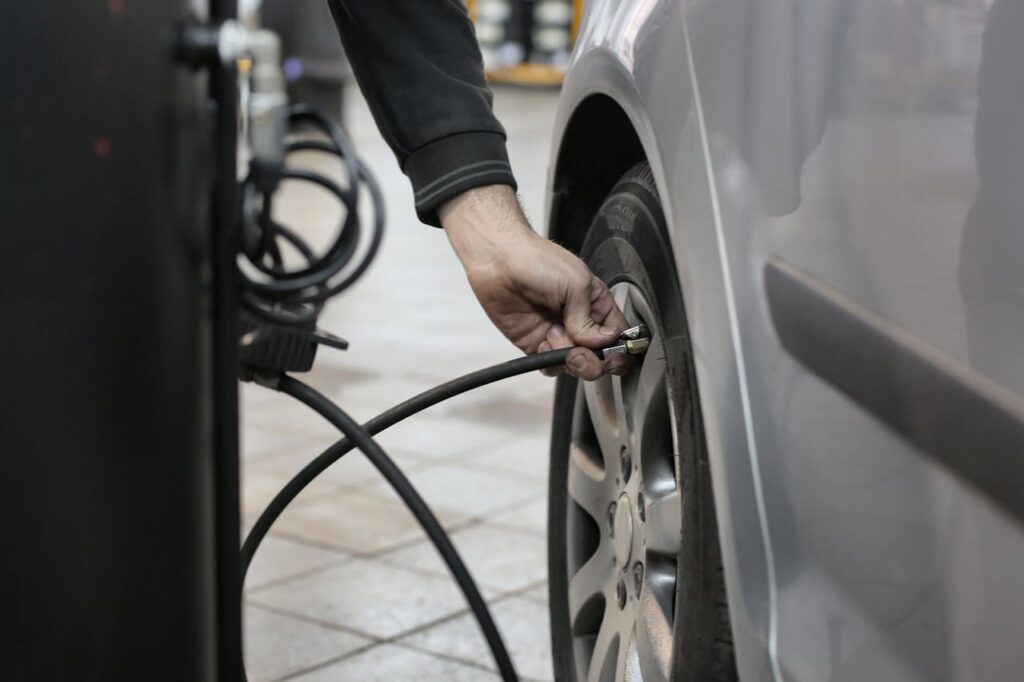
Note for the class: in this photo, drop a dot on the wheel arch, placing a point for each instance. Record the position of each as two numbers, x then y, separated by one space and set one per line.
584 172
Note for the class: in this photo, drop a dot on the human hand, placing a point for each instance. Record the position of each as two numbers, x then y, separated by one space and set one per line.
539 295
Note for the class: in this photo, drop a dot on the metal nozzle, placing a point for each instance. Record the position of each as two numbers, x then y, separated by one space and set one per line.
634 341
637 346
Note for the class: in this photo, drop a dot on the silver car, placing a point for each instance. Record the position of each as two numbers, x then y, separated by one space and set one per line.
817 471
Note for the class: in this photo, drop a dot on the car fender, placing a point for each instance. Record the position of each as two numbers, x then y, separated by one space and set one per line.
621 56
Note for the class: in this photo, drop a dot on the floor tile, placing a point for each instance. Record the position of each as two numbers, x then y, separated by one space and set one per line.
522 404
531 516
456 488
523 623
390 663
385 391
277 645
260 485
352 470
537 594
442 438
529 457
363 522
367 595
258 443
279 558
501 559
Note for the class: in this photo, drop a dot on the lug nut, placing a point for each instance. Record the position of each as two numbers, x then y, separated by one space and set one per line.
611 519
627 465
640 510
638 578
621 590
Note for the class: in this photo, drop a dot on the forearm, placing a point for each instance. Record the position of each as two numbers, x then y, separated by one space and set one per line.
484 223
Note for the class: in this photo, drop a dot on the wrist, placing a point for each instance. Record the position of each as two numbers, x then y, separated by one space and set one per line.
484 223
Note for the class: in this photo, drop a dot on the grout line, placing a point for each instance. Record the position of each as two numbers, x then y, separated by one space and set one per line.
283 580
330 661
505 525
376 640
462 524
252 603
448 657
514 594
443 572
485 467
451 529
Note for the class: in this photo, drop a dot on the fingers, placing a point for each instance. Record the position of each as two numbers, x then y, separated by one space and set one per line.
556 338
592 318
604 309
582 362
544 347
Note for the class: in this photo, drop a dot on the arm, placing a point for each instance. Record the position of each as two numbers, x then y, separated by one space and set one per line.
419 66
418 63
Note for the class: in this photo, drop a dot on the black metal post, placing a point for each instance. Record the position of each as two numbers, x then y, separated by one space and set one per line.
118 421
224 248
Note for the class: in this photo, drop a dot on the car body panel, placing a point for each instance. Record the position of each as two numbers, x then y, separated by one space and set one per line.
876 147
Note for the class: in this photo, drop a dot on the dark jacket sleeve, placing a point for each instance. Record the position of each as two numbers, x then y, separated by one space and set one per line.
419 66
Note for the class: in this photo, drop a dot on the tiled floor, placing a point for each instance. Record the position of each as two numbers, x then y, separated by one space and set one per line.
346 587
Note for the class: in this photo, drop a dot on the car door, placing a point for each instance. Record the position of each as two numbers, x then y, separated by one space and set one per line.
868 160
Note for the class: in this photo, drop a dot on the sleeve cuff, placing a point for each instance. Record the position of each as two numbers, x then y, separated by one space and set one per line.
449 166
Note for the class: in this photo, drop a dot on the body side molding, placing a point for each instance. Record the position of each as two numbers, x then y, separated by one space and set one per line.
949 412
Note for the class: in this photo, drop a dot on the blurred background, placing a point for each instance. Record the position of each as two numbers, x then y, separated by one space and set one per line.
347 587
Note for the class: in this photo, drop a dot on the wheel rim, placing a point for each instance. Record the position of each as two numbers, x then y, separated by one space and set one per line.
624 519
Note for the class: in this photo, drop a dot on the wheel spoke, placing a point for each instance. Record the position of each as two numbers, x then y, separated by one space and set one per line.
624 299
622 421
602 405
663 525
591 581
650 396
588 485
653 638
632 671
604 662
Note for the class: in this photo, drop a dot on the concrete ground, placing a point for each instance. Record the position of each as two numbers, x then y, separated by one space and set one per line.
346 587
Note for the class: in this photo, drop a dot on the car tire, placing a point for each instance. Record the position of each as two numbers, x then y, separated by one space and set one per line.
657 541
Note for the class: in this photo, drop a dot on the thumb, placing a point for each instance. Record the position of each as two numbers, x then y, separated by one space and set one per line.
587 318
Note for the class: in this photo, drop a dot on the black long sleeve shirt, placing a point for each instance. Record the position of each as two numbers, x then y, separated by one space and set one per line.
419 66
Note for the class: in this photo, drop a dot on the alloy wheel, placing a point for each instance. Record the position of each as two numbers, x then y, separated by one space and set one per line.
624 516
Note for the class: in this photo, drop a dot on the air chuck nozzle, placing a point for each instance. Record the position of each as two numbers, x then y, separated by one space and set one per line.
633 341
637 346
